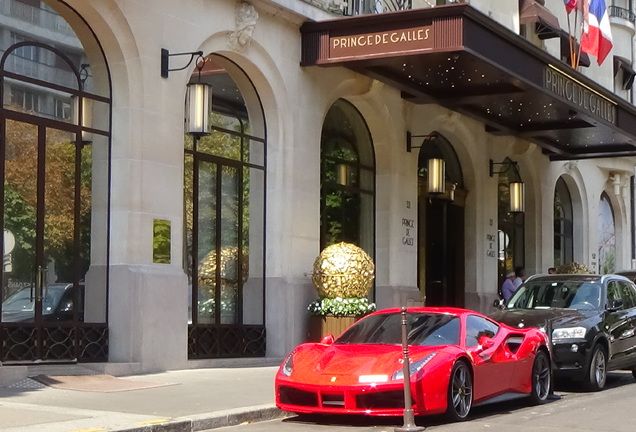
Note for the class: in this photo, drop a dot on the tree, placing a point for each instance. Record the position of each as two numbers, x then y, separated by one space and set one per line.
21 198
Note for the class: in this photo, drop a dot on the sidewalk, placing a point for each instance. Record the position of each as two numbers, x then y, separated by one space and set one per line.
175 401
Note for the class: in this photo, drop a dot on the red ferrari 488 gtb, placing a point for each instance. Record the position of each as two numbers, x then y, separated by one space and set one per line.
458 358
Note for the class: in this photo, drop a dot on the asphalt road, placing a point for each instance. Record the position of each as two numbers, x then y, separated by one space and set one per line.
611 410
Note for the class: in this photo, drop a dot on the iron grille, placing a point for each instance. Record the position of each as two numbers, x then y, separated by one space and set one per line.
225 341
85 343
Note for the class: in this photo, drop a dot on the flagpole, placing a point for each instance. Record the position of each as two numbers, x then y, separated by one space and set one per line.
584 6
570 40
577 58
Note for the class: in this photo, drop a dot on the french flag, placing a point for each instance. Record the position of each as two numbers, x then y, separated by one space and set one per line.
570 5
596 39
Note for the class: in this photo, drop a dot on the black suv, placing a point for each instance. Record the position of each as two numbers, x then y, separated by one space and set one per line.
590 319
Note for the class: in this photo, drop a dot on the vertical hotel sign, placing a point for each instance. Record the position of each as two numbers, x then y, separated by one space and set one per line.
409 39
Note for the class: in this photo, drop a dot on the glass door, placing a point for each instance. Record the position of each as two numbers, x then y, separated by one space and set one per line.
43 267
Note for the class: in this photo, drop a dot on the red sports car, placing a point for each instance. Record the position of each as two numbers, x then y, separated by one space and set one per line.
457 358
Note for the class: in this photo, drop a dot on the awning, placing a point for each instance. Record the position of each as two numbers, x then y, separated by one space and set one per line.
546 24
620 64
457 57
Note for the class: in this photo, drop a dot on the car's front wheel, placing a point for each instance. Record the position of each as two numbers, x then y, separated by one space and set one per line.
597 370
460 392
541 378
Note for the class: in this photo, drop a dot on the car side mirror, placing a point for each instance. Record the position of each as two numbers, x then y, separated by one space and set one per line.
486 342
614 305
327 339
499 304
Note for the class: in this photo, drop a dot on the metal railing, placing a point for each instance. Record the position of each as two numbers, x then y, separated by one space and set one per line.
364 7
619 12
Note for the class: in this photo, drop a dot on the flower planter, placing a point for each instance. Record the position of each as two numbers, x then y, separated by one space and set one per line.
320 326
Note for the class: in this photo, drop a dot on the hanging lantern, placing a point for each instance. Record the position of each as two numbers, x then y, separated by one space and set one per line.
436 176
198 103
517 197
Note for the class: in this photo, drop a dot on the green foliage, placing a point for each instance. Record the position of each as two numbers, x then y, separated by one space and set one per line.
161 241
609 262
20 220
341 306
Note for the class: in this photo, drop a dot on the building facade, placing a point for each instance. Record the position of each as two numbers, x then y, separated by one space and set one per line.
189 241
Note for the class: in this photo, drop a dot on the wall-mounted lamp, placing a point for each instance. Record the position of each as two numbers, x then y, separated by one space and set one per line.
436 173
436 176
409 138
83 105
343 174
517 197
198 103
516 188
165 60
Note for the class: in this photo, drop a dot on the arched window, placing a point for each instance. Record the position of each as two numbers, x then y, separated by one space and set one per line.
563 224
606 236
224 192
347 179
510 225
55 187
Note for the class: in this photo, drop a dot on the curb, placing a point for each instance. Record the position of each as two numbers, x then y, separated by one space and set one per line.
236 417
212 420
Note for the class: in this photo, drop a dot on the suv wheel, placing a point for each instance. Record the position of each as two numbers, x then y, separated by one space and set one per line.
597 370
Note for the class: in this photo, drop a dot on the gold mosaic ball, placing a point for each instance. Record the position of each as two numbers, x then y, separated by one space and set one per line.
574 268
228 264
343 270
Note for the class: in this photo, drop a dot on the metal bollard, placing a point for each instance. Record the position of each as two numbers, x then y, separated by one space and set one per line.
409 420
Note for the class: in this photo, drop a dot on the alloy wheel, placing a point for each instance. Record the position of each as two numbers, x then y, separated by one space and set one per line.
541 377
599 368
461 390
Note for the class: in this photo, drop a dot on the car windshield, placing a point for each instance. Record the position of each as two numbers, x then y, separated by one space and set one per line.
547 294
424 329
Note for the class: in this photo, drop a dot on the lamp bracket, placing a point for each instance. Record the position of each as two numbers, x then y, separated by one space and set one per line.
165 59
83 73
509 165
409 137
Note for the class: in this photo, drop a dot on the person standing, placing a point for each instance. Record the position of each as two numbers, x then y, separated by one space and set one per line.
520 272
508 288
551 270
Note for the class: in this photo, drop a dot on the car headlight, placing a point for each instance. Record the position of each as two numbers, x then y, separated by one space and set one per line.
568 333
288 365
414 367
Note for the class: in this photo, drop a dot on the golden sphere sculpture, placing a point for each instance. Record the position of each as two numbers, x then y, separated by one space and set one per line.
574 268
343 270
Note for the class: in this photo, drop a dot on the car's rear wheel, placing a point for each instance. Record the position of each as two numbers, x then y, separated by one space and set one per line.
460 392
541 378
597 370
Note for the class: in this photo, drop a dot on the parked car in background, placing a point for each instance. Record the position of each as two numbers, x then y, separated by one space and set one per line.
457 358
57 304
591 321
